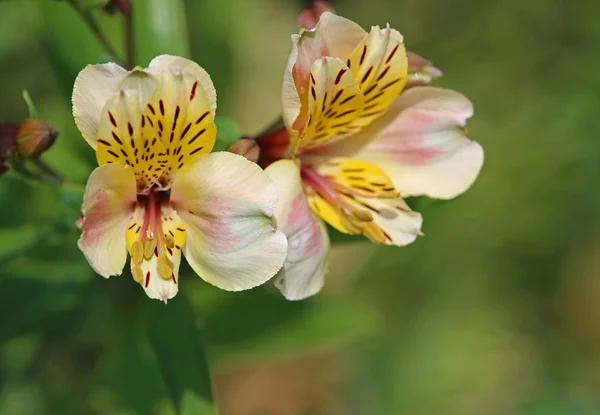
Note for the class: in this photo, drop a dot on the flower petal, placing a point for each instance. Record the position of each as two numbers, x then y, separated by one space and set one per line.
93 88
333 36
176 63
421 144
108 205
393 221
304 270
226 203
154 285
121 139
420 70
180 113
334 103
357 176
379 65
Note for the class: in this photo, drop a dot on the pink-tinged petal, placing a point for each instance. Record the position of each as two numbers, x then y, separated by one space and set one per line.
421 144
333 36
226 203
310 16
108 205
420 70
304 270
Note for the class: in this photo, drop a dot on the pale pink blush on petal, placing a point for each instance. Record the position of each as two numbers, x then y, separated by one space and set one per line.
298 217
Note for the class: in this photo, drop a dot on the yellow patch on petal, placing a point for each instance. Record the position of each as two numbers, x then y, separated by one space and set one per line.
333 216
179 115
134 232
121 140
358 176
173 231
334 102
380 66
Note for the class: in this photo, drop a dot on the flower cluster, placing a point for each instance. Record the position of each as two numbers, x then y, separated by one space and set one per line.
362 131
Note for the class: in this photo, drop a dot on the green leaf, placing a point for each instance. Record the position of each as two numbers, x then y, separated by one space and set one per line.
16 240
129 377
179 348
70 43
227 133
160 27
33 113
259 323
194 405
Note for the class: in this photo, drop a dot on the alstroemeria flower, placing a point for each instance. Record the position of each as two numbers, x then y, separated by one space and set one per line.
353 145
158 193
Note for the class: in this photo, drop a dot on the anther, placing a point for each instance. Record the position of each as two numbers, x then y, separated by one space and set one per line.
165 268
137 274
170 242
149 248
362 215
137 252
374 233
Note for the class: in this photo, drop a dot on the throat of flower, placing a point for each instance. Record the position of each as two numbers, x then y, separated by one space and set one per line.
353 218
152 241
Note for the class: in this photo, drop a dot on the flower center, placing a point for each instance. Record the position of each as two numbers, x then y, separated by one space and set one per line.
152 238
337 196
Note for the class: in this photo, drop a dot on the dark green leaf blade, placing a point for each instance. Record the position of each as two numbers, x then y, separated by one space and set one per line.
177 342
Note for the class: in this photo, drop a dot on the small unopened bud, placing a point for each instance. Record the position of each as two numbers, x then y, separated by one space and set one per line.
310 16
420 70
246 147
8 143
34 137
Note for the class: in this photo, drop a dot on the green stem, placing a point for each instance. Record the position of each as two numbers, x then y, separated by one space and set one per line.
91 22
51 173
129 41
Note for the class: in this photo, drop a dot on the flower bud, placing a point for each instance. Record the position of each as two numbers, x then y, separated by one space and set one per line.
420 70
34 137
8 143
309 17
246 147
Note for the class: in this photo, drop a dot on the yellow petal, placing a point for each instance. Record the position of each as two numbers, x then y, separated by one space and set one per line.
334 102
358 177
121 139
180 115
380 67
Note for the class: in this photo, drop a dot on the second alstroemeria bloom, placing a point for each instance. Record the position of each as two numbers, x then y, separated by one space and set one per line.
158 193
356 141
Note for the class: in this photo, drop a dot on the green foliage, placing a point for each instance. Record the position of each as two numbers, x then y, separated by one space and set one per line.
227 133
175 338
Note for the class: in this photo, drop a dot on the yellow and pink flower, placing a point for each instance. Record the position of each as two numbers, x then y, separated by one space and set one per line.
361 133
158 193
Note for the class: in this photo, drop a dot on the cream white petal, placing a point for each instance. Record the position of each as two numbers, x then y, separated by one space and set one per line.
108 205
226 203
154 285
94 86
421 144
176 64
304 270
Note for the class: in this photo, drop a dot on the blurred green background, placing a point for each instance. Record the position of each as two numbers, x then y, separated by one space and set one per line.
495 311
